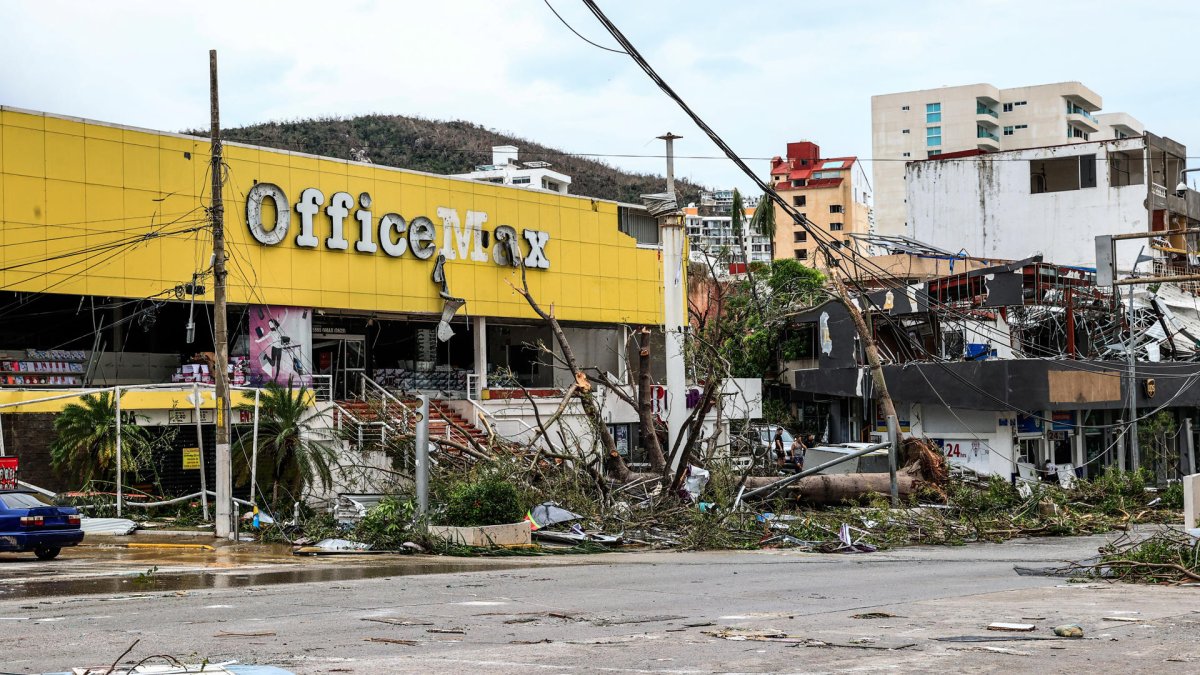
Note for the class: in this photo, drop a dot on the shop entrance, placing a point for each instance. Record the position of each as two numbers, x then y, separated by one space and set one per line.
343 358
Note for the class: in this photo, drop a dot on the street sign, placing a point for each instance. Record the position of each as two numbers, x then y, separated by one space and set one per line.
191 458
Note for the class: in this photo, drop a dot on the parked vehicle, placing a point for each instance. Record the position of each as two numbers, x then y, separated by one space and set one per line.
755 447
31 522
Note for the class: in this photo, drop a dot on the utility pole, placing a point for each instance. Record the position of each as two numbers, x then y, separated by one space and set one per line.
1134 458
671 235
224 486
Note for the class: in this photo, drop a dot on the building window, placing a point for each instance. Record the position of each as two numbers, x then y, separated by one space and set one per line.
1008 131
1020 103
904 107
799 201
1125 168
846 243
799 182
908 154
835 227
933 136
933 113
1021 126
520 180
836 208
904 131
1062 174
799 237
1007 107
801 254
934 153
803 217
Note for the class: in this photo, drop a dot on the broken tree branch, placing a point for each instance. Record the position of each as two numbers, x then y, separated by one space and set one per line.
614 465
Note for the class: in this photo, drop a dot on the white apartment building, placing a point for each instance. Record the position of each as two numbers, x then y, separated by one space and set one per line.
973 119
1052 201
710 232
506 170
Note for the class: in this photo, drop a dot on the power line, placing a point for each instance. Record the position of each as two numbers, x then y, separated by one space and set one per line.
564 22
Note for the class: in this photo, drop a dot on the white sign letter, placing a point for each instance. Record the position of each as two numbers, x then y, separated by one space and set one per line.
537 249
393 222
339 207
366 229
420 237
308 206
475 221
254 215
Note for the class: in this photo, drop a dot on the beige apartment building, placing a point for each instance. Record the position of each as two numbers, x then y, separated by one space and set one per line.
831 192
973 119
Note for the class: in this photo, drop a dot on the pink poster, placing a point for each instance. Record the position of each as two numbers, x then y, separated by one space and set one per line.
280 345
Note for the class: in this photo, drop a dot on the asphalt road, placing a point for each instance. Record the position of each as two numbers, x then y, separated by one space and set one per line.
628 612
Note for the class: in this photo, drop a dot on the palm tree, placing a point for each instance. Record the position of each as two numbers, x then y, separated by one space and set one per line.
85 443
290 452
763 221
736 215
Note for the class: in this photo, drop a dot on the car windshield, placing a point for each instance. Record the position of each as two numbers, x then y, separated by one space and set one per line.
24 500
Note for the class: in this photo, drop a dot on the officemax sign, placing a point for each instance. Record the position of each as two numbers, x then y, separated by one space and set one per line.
464 238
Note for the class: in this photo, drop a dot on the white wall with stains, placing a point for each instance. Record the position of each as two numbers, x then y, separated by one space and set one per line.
984 205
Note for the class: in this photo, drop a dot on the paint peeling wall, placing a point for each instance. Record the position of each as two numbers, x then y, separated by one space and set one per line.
984 206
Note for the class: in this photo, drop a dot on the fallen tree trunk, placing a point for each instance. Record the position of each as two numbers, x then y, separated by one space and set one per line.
839 487
843 487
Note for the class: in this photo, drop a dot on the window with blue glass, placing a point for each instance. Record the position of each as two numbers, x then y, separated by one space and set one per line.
933 136
933 112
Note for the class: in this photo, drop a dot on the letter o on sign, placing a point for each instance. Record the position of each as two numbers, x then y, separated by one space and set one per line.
254 213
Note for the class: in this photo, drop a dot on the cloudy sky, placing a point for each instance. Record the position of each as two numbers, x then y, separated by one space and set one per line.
760 73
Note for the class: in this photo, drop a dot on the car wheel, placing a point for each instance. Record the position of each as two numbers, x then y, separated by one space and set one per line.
47 553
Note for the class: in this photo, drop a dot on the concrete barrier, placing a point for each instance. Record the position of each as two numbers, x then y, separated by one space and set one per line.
1191 501
515 534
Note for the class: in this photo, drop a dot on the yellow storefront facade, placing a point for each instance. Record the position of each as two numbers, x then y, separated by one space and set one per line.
101 215
74 191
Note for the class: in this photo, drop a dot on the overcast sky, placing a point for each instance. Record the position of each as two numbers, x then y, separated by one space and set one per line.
760 73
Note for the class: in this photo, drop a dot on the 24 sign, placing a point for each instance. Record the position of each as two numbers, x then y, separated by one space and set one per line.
8 473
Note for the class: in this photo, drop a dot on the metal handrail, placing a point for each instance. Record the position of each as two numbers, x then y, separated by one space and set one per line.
490 420
328 379
387 396
384 427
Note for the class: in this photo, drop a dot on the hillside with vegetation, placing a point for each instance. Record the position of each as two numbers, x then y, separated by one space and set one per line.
444 147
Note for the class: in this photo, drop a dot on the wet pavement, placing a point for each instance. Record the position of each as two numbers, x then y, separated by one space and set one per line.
623 612
107 565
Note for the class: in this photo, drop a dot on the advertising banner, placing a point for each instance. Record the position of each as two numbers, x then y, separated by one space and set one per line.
280 345
8 473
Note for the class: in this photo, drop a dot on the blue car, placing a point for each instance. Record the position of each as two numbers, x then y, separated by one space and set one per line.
30 522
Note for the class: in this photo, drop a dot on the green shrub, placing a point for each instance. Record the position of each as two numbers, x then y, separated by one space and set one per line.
487 500
386 526
1172 496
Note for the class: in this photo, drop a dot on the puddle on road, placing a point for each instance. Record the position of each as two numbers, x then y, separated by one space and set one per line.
201 579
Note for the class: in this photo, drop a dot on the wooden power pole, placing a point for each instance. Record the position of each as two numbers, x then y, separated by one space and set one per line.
224 483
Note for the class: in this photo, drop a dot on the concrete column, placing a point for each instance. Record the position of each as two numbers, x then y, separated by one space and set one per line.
673 311
623 352
1191 501
1078 442
1187 448
479 335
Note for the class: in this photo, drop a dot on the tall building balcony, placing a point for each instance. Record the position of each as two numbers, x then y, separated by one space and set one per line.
985 115
986 140
1083 121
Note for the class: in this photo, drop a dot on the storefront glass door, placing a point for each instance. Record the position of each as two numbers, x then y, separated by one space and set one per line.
344 359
